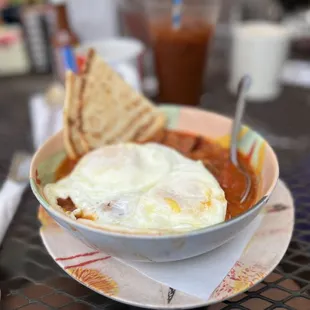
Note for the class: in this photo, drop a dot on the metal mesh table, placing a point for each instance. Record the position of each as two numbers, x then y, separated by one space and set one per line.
30 279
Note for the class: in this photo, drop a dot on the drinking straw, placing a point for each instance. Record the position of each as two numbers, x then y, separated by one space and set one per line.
176 13
69 59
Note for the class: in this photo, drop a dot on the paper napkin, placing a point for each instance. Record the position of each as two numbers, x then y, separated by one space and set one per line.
200 276
45 120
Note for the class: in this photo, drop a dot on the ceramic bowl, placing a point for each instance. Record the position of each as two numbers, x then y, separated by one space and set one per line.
164 248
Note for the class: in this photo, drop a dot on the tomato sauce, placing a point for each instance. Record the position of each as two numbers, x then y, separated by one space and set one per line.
215 158
65 167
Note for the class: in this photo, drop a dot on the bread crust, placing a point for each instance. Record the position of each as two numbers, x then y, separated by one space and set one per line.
101 108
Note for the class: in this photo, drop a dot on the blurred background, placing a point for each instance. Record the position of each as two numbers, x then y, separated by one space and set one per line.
196 60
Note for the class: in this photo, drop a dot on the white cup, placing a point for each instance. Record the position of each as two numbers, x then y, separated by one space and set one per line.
259 49
123 54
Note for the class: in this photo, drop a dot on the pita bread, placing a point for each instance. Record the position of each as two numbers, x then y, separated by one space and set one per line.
111 111
71 131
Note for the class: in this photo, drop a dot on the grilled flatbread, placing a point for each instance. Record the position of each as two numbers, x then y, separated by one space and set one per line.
111 111
71 131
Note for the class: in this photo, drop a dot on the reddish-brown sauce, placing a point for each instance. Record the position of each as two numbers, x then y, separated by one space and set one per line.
67 204
215 158
65 167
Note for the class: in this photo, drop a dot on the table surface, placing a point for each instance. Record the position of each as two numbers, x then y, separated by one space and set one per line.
30 279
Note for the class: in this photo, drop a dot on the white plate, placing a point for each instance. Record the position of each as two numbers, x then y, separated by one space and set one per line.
112 278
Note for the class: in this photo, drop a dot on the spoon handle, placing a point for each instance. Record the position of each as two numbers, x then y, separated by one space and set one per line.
243 87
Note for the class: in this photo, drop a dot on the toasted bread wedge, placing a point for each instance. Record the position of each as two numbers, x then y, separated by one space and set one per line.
71 126
111 111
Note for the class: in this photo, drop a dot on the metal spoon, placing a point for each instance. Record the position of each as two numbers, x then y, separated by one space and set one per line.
243 88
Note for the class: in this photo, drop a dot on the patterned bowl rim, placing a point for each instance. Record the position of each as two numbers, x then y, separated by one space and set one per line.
130 235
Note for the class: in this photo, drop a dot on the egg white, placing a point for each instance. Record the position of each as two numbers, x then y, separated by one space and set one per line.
148 186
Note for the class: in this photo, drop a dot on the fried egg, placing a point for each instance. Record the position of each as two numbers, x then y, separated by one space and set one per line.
142 187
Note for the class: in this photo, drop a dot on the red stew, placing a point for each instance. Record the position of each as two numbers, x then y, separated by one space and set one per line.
214 157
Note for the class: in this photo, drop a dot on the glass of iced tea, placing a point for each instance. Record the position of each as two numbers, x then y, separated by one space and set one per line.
180 49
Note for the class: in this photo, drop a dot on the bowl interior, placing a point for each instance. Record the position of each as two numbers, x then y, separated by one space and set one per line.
208 124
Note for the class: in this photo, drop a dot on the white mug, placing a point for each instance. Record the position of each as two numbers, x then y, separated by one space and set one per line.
259 49
123 54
